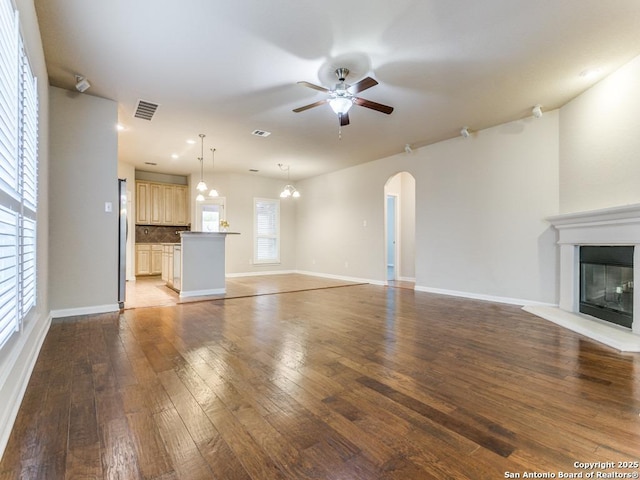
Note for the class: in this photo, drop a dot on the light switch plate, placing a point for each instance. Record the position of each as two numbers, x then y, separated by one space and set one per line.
108 207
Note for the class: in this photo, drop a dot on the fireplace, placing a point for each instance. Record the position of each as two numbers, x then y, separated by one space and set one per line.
600 245
606 283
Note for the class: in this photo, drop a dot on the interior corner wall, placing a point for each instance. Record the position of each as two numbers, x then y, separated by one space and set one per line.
599 144
480 209
83 272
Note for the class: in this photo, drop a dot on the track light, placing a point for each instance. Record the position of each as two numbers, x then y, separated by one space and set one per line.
82 83
407 149
537 111
465 132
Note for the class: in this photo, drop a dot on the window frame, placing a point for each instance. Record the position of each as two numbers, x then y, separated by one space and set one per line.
18 177
257 236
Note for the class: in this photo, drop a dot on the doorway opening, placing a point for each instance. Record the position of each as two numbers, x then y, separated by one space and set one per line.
400 227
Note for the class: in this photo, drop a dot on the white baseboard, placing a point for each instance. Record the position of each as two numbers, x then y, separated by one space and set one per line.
256 274
478 296
74 312
202 293
342 277
407 279
15 372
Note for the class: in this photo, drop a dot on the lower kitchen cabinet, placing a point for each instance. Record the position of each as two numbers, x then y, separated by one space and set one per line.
148 259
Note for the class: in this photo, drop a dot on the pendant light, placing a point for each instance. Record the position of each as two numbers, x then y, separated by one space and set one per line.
288 190
213 192
201 187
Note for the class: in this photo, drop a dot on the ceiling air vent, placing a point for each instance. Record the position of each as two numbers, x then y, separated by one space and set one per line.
260 133
145 110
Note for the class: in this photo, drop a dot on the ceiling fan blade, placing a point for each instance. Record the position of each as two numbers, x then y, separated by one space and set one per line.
373 105
362 85
311 105
344 118
315 87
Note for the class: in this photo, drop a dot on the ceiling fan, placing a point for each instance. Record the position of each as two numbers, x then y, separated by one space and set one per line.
342 96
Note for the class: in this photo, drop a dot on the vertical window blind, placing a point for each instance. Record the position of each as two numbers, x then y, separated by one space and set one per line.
266 231
18 176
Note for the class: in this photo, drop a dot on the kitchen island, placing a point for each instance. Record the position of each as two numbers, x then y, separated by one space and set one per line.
201 263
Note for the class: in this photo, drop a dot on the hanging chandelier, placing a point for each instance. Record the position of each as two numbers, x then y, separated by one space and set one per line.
288 190
201 187
213 192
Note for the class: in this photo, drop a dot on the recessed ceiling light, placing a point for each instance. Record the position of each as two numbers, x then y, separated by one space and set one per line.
191 142
175 156
119 127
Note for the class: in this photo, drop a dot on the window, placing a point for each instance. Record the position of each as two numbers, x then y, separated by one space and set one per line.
266 231
18 176
209 213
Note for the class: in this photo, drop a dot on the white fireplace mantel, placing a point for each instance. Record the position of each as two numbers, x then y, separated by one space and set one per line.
609 226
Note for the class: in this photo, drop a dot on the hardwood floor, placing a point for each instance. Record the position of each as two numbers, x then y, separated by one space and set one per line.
353 382
153 292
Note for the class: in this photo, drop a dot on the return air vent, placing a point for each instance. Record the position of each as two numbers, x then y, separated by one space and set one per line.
260 133
145 110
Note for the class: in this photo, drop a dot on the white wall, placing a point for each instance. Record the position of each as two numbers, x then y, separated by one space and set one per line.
19 355
600 144
480 209
481 204
83 272
239 192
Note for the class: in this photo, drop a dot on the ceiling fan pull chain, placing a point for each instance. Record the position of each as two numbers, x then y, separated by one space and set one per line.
339 132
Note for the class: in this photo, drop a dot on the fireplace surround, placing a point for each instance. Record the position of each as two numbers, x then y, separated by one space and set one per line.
617 226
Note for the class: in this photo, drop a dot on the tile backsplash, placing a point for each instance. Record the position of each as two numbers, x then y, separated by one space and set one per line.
158 234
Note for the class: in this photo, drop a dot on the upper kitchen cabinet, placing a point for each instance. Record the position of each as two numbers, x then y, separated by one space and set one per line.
161 204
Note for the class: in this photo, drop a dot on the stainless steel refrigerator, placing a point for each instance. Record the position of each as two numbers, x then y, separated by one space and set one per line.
123 230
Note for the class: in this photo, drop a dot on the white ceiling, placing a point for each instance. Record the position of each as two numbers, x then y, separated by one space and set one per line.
225 68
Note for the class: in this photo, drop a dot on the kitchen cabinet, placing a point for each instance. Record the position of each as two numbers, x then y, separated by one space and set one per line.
161 204
148 259
181 205
156 259
143 213
143 259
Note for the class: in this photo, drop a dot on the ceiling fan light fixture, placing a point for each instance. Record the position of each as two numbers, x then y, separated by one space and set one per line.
200 198
213 193
341 105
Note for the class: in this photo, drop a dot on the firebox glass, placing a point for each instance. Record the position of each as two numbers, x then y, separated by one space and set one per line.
607 286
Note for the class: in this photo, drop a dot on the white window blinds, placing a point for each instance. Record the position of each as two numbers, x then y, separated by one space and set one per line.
18 176
266 231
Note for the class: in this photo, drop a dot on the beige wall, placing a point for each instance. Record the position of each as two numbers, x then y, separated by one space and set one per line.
600 144
83 273
239 192
480 209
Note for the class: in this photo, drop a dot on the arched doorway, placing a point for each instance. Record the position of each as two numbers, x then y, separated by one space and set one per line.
400 228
